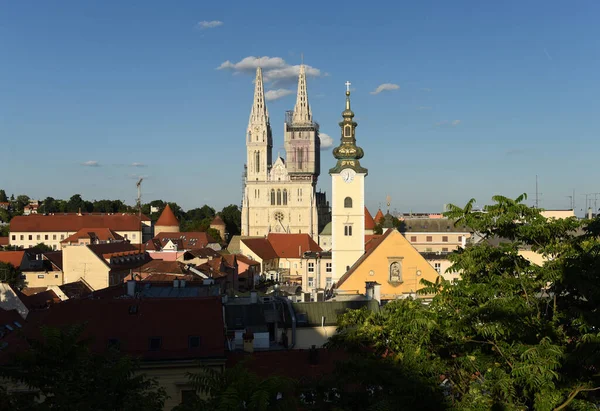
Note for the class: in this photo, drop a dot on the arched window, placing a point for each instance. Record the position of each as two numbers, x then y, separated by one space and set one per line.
284 196
272 197
278 197
257 161
347 202
347 131
300 157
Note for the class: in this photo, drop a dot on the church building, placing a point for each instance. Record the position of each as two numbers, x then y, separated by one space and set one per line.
280 196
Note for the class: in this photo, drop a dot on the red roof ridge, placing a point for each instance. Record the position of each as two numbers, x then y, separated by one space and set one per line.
379 217
217 221
167 218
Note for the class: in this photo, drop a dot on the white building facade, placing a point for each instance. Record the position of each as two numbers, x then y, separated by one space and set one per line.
281 196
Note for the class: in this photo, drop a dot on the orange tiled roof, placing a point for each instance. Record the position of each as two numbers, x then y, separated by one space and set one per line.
75 222
15 258
3 241
292 245
261 247
102 234
369 222
167 218
184 240
379 217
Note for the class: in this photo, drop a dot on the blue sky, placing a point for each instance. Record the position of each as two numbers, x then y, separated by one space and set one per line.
489 95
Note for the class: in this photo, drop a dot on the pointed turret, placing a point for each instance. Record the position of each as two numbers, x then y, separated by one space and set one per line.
167 222
259 141
302 114
259 114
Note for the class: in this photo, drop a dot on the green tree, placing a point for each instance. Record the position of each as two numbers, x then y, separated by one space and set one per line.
215 235
3 197
510 334
232 217
49 205
69 376
20 202
11 275
237 388
43 247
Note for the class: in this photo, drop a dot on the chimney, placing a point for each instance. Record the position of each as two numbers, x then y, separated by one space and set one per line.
377 292
253 297
131 288
79 212
369 291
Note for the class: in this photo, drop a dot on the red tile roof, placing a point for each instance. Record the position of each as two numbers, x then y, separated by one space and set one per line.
217 221
165 318
374 244
371 240
55 257
261 247
168 278
184 240
93 234
162 267
3 241
379 217
12 257
243 259
75 222
167 218
369 222
292 245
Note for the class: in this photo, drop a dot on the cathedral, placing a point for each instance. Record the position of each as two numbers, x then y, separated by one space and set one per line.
280 196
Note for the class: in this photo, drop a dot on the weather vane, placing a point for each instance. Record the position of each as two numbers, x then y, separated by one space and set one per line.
348 86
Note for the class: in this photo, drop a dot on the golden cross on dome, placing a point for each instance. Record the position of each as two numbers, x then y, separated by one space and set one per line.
348 86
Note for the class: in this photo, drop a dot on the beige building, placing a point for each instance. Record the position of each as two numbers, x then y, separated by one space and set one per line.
393 263
281 196
52 229
167 222
101 265
434 235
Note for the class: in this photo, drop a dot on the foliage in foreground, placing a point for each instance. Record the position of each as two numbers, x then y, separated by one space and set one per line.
68 376
509 335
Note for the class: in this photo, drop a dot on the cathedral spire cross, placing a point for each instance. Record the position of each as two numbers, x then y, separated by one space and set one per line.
348 84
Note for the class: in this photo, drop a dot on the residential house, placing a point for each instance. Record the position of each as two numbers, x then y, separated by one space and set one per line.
223 270
172 245
248 272
261 250
317 272
102 265
290 250
51 229
435 235
441 264
31 208
5 205
392 262
87 236
198 256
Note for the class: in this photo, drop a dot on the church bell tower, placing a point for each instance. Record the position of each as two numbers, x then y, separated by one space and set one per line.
348 197
259 141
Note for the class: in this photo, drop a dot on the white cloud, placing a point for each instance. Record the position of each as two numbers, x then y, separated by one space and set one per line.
276 94
275 69
385 87
455 122
91 163
209 24
326 141
138 165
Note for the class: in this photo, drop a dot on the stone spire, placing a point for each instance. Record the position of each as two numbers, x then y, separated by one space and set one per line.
259 113
302 114
348 153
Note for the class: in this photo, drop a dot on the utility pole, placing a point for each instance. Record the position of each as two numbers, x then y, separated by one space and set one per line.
537 201
139 204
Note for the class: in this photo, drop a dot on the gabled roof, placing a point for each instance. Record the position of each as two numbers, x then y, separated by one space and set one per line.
183 240
74 222
375 244
162 267
55 257
261 247
217 221
369 222
379 217
167 218
292 245
243 259
371 240
93 234
101 250
15 258
133 322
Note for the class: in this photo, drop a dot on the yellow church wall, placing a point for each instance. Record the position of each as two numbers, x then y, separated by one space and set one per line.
376 267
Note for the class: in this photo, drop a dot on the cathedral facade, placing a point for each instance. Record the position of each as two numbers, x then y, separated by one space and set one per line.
280 196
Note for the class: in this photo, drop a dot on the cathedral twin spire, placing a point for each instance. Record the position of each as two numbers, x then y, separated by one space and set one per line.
259 113
302 113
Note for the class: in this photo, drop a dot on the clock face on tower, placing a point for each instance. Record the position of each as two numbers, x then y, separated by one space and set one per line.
347 175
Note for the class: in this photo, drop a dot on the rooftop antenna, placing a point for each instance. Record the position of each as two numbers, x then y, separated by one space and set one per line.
388 200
